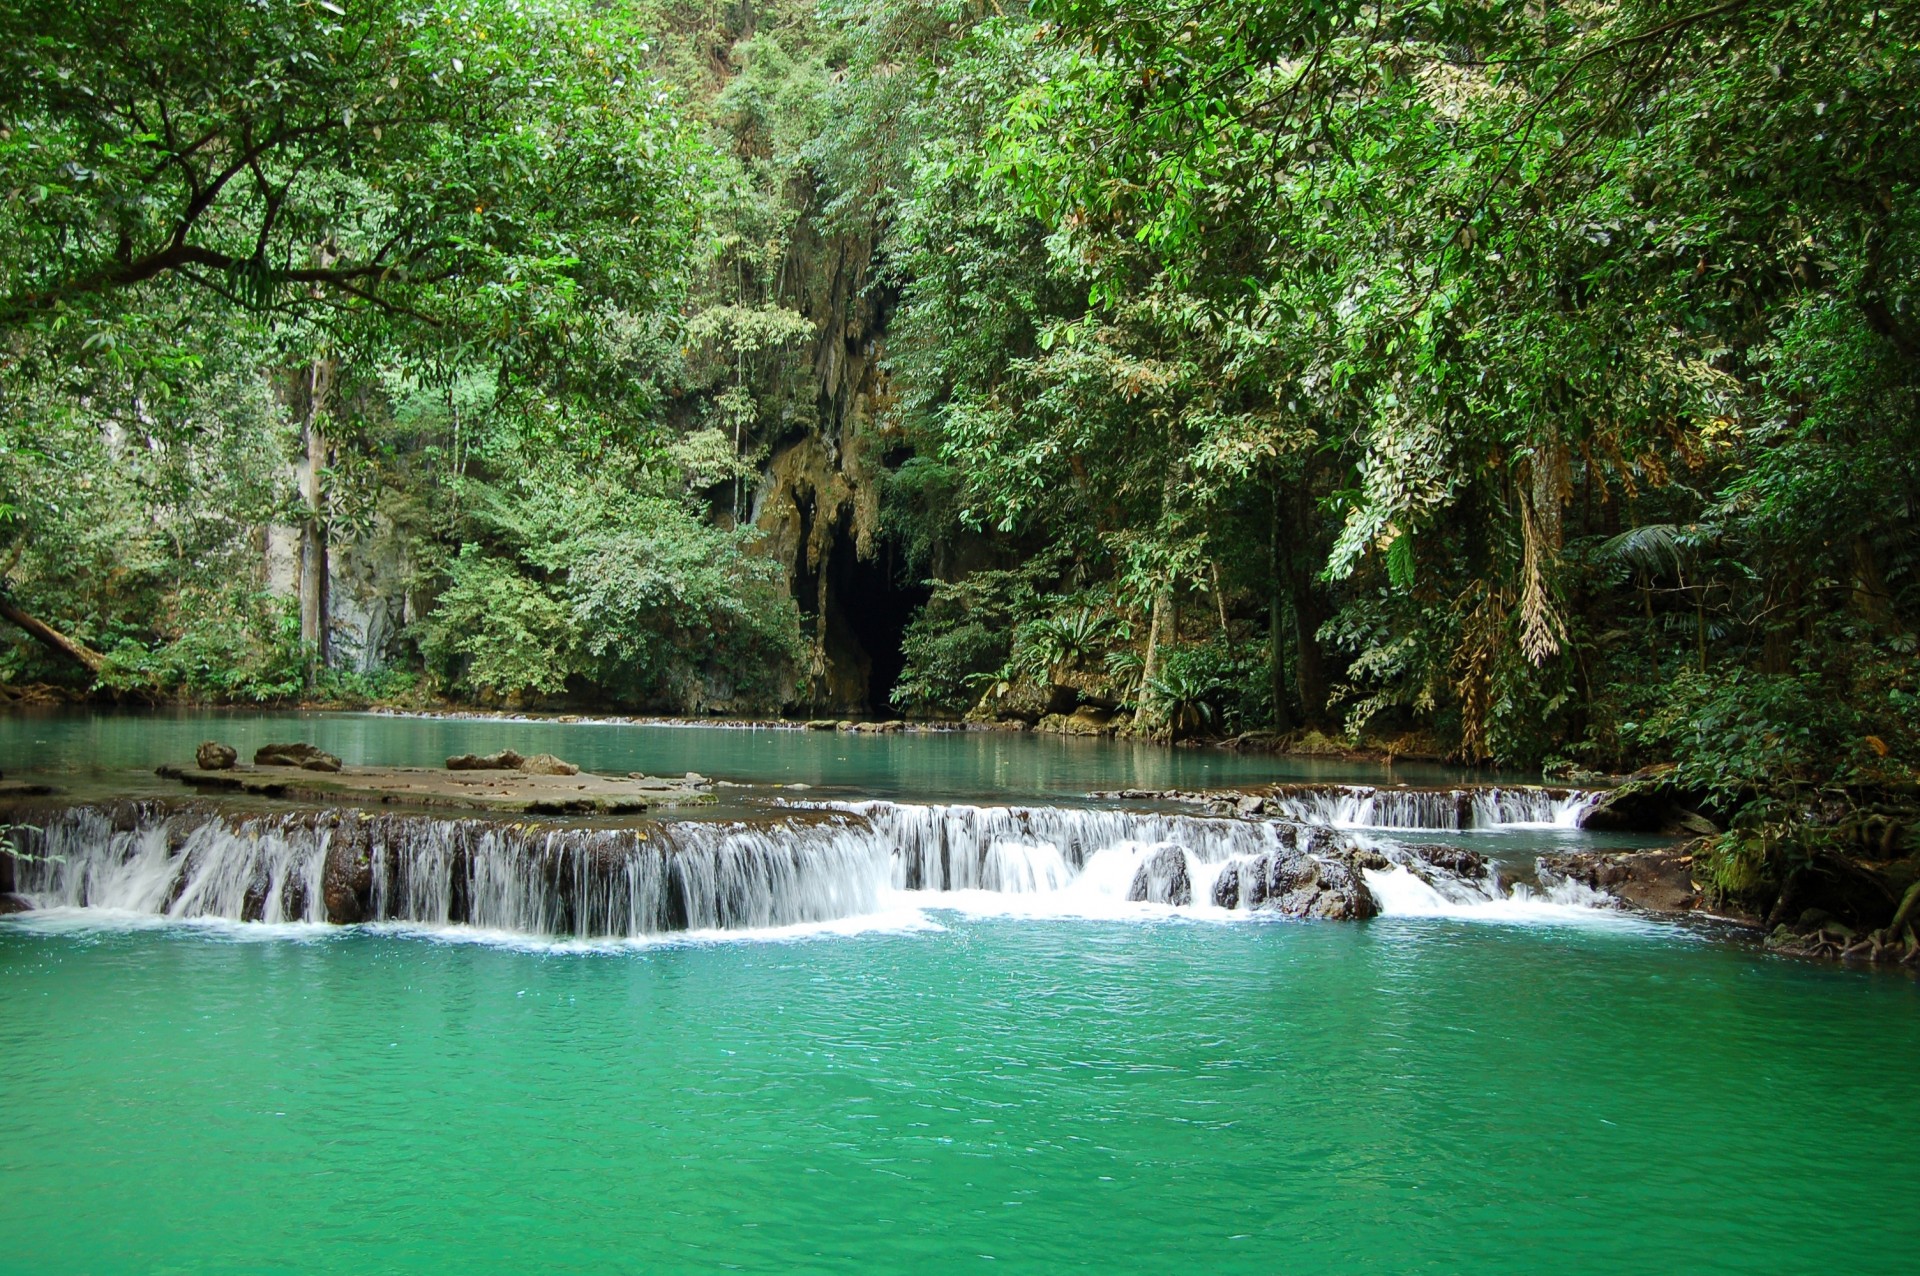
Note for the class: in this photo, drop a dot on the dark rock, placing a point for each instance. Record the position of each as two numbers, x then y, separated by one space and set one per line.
1687 823
1300 883
24 789
304 756
11 903
347 881
1226 887
1162 878
1638 806
214 756
1455 860
1660 881
547 764
1326 887
505 760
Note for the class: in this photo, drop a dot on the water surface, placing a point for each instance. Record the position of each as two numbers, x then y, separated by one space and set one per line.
996 1095
914 766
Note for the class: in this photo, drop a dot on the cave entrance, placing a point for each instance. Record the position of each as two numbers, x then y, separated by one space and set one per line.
868 608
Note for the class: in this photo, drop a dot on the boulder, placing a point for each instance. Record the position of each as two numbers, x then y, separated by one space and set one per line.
1660 881
505 760
1456 861
11 903
1318 886
1162 878
1638 806
1089 720
547 764
346 883
1298 883
214 756
1025 702
304 756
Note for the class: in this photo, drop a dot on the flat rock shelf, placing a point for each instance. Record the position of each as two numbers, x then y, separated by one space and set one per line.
498 791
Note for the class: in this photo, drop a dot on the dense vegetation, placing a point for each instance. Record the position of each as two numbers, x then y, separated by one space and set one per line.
1533 384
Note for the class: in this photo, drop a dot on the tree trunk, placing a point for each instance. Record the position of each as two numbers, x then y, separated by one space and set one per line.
1162 605
72 648
1309 613
1276 619
1871 596
314 609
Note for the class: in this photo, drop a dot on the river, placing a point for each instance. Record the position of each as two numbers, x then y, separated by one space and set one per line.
978 1078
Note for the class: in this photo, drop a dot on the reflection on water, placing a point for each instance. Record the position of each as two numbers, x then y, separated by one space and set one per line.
906 765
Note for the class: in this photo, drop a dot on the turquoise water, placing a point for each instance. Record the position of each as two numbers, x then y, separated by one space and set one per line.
999 1095
912 766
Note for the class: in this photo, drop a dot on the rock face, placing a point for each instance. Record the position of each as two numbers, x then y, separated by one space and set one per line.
1089 720
304 756
214 756
1645 806
1024 701
505 760
547 764
1162 878
1321 882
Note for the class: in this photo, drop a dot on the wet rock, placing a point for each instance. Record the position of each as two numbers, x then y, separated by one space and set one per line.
822 724
1640 806
1318 886
1456 861
305 756
1250 805
1162 878
11 903
1241 884
1320 880
214 756
547 764
1660 881
347 881
505 760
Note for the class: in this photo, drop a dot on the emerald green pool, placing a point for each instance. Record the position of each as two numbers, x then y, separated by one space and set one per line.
918 766
979 1094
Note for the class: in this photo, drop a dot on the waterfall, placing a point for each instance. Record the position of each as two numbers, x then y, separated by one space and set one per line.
1433 810
808 863
527 879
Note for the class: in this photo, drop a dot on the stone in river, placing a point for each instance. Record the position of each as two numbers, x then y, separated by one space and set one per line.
214 756
547 764
304 756
1162 878
505 760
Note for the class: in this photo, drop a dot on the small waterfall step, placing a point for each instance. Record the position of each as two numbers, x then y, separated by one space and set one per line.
1403 808
806 863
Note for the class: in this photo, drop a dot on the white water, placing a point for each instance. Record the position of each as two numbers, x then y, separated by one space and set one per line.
1436 810
834 868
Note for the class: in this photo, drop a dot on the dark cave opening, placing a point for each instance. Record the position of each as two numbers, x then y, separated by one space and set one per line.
870 602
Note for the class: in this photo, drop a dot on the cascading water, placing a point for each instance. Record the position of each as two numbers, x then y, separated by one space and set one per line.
344 867
811 864
1433 810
